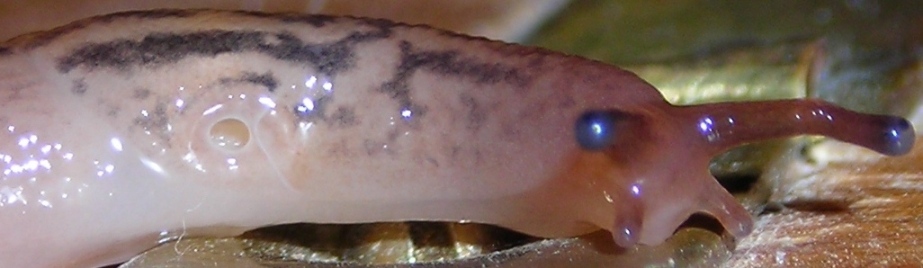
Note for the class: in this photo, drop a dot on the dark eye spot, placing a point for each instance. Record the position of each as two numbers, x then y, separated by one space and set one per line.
899 136
596 130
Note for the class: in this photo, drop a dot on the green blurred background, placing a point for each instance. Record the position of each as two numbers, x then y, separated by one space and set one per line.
862 54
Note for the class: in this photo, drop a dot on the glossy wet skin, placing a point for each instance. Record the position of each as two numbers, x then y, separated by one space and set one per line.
125 129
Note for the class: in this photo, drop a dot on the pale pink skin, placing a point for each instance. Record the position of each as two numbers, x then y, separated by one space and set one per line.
104 158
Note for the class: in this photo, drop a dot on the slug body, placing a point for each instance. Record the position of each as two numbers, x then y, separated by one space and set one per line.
122 130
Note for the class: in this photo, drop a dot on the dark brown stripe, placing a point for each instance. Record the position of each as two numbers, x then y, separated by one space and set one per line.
448 63
38 39
163 48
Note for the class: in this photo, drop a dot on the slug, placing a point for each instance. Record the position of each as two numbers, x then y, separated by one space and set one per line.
123 130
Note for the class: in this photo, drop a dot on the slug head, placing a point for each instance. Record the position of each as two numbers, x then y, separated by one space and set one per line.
661 155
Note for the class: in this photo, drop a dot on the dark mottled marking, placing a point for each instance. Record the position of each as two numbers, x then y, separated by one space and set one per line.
317 114
536 62
327 58
476 113
340 149
14 91
112 110
141 93
373 148
432 161
157 49
455 152
267 80
344 116
451 63
4 51
448 63
156 122
39 39
79 87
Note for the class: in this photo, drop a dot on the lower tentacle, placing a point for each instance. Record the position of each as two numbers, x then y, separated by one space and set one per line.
721 205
